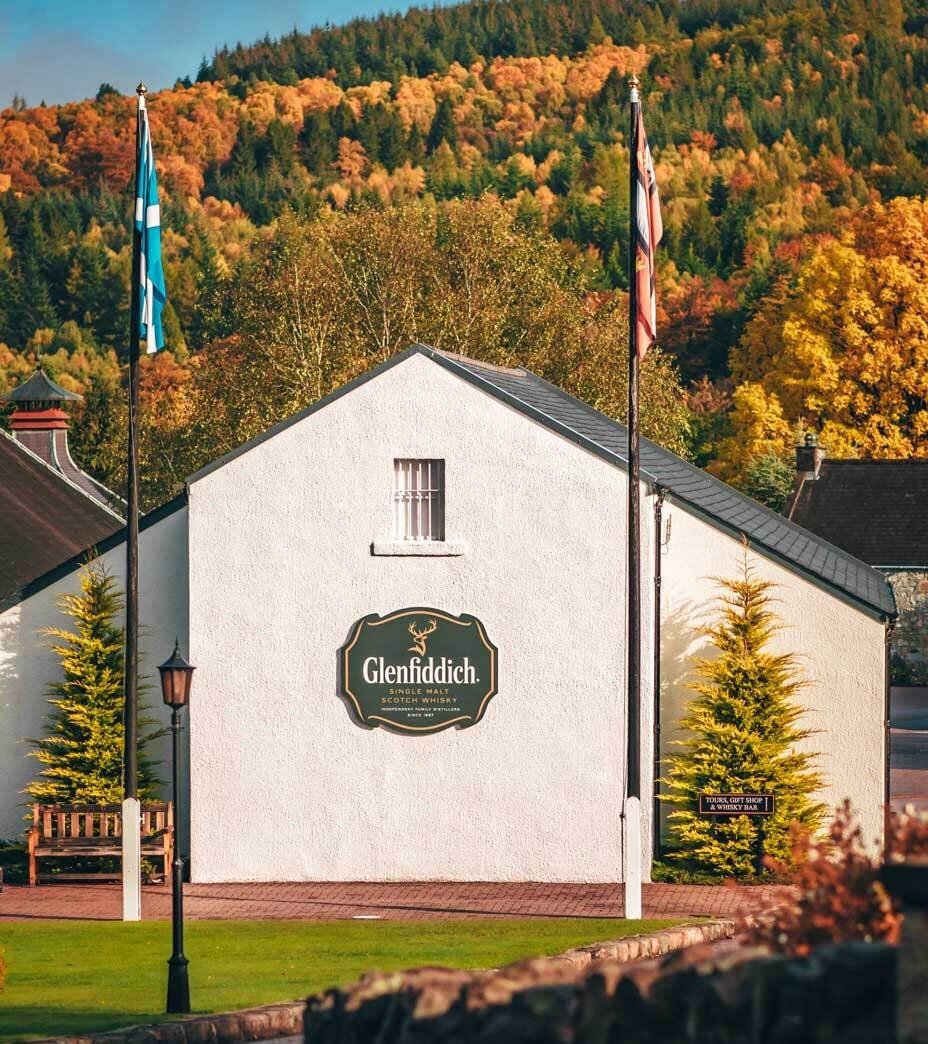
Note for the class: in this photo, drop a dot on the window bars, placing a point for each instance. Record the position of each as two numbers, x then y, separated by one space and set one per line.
419 499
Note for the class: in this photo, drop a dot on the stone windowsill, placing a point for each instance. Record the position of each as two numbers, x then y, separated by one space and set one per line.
419 548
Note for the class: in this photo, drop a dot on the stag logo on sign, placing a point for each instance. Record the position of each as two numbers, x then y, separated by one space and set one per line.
421 637
446 677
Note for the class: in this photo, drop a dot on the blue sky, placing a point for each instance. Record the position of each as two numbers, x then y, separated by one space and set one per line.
62 51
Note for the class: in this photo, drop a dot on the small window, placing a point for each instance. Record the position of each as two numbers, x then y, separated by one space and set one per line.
419 499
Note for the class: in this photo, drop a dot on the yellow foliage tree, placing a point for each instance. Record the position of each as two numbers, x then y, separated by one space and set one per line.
842 349
757 419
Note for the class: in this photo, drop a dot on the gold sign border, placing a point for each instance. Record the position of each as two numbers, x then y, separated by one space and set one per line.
375 621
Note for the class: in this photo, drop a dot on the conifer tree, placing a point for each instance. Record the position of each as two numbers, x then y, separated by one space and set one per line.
415 146
318 140
443 126
82 751
769 478
6 250
743 726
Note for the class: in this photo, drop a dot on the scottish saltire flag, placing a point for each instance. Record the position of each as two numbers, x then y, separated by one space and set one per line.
650 230
152 294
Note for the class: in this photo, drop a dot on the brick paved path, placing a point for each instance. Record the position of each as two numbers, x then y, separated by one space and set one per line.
400 901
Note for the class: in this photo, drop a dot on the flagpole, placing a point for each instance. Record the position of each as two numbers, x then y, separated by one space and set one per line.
631 819
131 818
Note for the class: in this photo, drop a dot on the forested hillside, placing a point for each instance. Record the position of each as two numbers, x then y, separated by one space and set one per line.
791 288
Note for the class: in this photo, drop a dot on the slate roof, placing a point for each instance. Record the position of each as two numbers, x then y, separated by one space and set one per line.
40 388
685 482
44 519
874 509
719 503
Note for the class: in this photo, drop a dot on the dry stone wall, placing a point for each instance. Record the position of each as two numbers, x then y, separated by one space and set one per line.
699 996
910 637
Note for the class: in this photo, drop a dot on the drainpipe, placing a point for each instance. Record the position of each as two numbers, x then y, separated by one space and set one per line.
656 740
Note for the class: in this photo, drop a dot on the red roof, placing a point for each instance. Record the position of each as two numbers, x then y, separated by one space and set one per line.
44 519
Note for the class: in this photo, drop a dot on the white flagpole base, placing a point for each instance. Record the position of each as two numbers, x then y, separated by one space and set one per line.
131 860
631 847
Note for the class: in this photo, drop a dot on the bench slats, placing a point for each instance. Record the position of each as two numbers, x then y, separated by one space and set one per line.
66 826
73 846
95 831
53 878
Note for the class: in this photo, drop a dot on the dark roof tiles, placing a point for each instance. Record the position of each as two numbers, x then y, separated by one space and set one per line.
687 483
876 510
44 519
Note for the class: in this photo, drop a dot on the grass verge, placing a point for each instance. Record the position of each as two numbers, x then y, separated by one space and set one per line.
73 977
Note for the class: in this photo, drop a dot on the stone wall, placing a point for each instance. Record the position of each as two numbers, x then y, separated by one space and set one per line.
910 637
838 993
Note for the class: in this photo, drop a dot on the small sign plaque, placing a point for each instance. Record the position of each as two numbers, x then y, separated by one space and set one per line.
737 804
419 670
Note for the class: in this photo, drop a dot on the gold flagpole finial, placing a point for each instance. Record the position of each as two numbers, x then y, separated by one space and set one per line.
141 89
634 82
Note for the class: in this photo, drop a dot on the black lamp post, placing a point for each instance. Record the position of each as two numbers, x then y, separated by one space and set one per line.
176 675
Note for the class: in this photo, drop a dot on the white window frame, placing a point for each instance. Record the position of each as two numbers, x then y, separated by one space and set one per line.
419 500
430 541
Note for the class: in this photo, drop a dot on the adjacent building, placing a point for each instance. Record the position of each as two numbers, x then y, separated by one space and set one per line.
877 510
49 508
443 515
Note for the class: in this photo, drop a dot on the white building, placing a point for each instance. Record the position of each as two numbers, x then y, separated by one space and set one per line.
270 556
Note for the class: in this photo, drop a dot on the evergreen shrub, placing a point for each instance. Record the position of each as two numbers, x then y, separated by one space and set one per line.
742 734
82 751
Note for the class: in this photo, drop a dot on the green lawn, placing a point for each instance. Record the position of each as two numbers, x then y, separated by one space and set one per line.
70 977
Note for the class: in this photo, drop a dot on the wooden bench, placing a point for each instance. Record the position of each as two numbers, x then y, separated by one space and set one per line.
72 831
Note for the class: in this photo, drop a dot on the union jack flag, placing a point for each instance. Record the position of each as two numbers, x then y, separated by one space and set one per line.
650 230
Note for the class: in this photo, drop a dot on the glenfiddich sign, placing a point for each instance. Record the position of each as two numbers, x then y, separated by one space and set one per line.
419 670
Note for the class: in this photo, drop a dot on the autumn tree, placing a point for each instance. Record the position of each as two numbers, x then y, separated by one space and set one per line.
773 128
320 302
843 347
